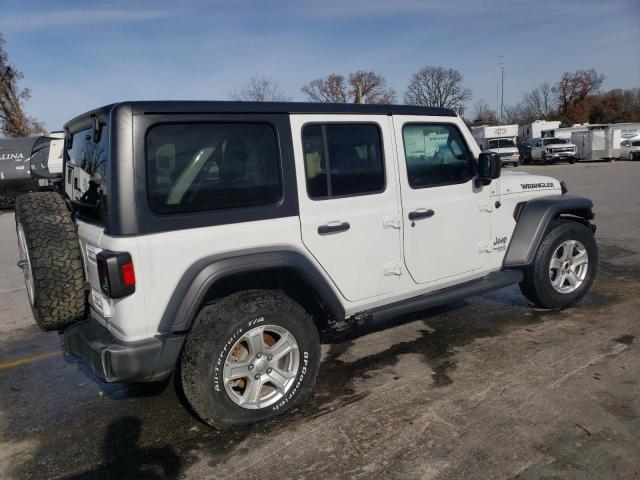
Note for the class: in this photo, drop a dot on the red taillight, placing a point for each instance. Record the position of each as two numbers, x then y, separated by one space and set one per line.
128 274
116 273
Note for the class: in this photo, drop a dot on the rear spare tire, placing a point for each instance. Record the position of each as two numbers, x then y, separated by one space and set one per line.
50 259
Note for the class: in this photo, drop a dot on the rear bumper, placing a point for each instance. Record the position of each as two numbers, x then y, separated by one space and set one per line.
113 360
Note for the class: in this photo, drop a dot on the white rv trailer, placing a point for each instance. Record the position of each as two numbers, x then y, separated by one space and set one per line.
500 139
29 164
602 141
526 133
565 132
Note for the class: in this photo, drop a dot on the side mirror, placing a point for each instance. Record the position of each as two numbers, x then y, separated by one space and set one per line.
489 166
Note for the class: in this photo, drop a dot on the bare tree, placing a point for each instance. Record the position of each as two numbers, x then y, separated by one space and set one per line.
437 87
572 90
361 87
482 113
260 89
539 103
14 122
512 113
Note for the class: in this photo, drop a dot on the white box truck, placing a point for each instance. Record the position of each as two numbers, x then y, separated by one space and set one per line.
500 139
621 133
527 133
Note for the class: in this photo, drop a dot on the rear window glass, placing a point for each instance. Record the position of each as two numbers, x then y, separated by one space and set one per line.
86 175
195 167
551 141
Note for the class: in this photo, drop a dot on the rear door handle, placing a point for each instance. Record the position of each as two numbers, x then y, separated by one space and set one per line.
329 229
421 214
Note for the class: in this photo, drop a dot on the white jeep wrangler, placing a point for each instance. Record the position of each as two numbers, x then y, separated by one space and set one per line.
228 239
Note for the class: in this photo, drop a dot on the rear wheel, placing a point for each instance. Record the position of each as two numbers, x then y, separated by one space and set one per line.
564 267
249 357
50 260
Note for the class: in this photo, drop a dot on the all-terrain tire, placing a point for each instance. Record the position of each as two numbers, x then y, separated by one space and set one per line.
537 285
222 325
47 233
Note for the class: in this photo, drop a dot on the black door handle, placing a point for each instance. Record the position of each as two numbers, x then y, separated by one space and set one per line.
328 229
420 214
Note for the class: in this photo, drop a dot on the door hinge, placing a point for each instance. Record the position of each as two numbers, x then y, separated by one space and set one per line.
393 268
484 247
485 207
391 222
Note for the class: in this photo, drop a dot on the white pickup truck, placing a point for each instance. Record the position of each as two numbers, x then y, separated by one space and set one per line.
552 149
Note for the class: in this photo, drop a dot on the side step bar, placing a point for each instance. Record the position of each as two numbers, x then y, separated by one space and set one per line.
493 281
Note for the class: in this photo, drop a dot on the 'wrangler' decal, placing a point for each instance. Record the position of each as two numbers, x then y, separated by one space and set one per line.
537 185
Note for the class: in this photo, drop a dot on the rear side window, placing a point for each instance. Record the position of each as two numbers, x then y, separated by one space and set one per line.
436 155
196 167
343 160
85 174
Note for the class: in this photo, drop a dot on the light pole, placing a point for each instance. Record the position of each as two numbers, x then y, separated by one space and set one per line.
500 89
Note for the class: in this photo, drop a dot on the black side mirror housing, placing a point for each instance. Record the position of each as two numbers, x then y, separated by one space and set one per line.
489 167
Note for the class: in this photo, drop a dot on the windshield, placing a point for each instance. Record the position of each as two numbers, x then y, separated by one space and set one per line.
501 143
552 141
635 143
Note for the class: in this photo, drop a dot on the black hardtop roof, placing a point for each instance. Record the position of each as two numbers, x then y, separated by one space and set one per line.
213 107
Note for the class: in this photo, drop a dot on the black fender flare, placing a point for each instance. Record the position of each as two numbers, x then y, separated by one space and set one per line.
194 284
532 222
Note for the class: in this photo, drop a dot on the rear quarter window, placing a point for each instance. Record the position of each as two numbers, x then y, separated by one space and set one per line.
85 175
198 167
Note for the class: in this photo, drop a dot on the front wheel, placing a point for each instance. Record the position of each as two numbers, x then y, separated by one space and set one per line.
249 357
564 266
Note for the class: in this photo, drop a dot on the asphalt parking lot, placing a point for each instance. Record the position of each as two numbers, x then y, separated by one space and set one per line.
486 388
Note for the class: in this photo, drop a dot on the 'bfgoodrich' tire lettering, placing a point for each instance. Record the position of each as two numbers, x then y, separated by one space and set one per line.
218 328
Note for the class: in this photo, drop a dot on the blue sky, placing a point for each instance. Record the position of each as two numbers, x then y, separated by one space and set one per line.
77 55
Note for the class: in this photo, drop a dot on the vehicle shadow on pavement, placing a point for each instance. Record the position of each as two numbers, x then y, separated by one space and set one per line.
351 369
125 458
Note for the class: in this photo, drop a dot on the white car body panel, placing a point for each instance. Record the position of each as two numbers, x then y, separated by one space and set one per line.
465 239
358 272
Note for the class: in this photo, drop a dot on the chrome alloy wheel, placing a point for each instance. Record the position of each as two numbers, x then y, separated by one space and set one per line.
568 266
261 366
25 264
